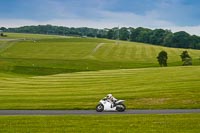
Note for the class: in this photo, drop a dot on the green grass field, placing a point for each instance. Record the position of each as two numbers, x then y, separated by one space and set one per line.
55 72
179 123
80 71
144 88
27 36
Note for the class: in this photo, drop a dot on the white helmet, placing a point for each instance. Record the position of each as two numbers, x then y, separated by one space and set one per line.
109 95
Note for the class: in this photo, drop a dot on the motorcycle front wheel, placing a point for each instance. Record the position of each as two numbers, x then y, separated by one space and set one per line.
99 108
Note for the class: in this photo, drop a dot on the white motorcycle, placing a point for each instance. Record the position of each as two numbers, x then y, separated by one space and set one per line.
105 105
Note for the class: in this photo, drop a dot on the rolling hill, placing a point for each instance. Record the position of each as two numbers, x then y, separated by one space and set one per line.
43 55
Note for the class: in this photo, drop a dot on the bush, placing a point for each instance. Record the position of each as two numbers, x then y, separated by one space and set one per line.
186 59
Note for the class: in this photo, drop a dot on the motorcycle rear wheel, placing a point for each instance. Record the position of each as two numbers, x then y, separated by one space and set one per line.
122 108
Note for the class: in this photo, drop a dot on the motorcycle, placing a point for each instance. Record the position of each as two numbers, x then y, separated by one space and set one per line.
105 105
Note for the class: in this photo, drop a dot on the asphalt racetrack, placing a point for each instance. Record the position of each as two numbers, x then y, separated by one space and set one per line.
93 112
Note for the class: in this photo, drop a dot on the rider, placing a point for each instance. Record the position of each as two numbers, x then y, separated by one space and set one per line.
111 99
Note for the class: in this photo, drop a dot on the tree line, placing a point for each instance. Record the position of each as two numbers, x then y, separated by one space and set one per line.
161 37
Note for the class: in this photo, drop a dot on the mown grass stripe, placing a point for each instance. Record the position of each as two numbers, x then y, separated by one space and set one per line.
112 53
127 55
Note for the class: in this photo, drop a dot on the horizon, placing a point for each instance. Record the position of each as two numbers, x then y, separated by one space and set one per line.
174 15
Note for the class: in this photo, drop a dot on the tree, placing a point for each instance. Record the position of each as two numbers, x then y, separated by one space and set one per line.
110 34
162 58
157 36
186 59
195 40
3 29
144 35
123 34
181 39
140 34
167 41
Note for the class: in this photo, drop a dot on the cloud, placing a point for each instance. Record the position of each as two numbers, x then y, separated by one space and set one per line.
108 20
193 30
10 23
105 19
164 14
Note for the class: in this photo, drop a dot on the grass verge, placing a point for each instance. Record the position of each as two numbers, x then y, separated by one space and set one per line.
174 123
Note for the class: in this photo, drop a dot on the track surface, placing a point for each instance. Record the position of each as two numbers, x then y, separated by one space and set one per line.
93 112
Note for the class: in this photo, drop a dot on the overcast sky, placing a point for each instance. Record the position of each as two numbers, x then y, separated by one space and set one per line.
176 15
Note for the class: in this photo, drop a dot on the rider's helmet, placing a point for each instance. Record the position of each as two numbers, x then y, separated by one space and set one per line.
109 95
